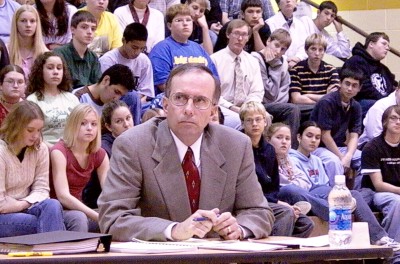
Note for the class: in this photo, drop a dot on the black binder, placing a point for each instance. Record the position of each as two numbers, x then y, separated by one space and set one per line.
57 242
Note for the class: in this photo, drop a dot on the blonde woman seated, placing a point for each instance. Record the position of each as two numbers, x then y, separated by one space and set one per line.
73 159
26 39
24 181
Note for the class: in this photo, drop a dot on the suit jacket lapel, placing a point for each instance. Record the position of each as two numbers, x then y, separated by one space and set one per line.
213 177
169 175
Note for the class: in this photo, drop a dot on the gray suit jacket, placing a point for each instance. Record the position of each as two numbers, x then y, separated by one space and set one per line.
145 190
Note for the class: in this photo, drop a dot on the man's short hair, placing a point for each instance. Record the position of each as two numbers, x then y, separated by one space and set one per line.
250 3
202 3
135 31
315 39
82 16
174 10
120 75
237 23
386 114
351 72
374 37
255 107
193 67
281 35
328 5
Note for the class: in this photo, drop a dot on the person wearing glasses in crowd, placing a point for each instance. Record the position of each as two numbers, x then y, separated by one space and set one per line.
149 196
239 73
131 55
12 87
177 49
380 161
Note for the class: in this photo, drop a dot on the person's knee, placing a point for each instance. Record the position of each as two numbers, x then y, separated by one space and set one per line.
293 111
291 191
396 202
76 221
52 204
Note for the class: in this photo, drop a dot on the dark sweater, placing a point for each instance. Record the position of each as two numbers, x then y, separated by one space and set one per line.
267 170
378 81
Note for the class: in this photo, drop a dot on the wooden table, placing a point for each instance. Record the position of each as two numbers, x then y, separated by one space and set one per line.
215 256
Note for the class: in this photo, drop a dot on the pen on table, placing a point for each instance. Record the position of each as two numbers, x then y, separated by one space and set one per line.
30 254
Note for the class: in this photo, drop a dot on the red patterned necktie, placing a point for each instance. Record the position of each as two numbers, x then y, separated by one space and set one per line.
192 178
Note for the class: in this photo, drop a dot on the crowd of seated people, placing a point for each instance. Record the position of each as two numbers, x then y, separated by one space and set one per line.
73 78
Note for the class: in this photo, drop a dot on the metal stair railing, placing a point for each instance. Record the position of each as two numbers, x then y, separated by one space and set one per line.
351 26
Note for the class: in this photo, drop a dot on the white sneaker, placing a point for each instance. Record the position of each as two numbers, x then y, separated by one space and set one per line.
389 242
304 206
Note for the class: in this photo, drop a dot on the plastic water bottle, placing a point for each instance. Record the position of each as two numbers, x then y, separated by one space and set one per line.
340 203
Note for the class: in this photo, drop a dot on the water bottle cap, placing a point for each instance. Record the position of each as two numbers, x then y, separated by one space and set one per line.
340 179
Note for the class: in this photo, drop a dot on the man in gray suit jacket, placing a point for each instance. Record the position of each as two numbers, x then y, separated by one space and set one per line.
145 194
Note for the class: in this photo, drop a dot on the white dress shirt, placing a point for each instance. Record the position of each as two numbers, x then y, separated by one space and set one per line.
338 47
297 31
224 61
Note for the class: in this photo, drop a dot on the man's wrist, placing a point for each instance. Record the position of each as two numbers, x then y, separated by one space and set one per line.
169 230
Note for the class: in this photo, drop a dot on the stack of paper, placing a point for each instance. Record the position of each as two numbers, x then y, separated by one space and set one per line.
150 247
145 247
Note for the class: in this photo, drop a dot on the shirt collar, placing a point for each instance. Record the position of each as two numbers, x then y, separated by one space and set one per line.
233 55
182 148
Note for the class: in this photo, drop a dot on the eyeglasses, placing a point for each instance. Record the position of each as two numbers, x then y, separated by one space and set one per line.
394 119
141 49
182 20
13 82
238 35
199 101
250 121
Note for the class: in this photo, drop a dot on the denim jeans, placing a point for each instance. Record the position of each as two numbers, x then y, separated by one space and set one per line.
286 113
333 166
389 204
286 225
318 198
232 118
78 221
42 217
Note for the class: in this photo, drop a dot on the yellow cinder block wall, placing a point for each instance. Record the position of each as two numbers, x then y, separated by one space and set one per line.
370 16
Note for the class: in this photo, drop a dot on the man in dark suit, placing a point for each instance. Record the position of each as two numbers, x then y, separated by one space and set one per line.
146 194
